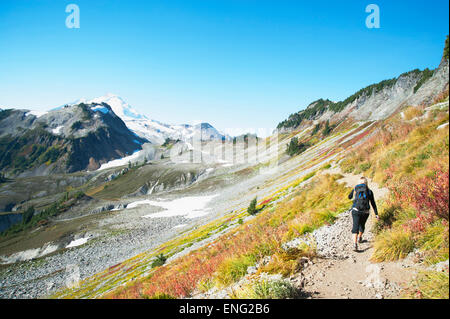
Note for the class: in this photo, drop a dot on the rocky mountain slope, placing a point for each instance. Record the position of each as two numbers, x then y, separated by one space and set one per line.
376 101
73 138
84 135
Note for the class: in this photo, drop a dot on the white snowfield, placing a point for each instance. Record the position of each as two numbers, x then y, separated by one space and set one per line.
28 254
77 242
121 161
57 130
148 151
180 226
189 207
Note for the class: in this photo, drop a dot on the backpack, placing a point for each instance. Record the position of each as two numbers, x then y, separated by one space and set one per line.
361 201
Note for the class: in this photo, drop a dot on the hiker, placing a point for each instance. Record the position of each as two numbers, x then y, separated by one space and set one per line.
361 209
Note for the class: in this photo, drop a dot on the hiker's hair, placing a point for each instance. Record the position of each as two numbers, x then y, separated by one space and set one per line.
364 180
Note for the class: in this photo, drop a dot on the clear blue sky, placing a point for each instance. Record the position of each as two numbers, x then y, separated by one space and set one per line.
246 63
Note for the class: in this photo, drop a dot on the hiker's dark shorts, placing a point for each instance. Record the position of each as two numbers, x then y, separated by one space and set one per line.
359 221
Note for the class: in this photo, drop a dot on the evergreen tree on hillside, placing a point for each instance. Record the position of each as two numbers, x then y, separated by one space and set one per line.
327 130
295 147
315 129
27 215
252 207
446 49
292 147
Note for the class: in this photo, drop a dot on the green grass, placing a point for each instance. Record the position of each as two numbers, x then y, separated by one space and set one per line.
233 269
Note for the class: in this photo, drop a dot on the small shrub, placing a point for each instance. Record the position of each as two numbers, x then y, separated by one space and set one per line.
288 261
419 223
267 289
279 265
159 260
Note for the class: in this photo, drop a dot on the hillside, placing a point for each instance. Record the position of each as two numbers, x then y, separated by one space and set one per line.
184 229
376 101
272 255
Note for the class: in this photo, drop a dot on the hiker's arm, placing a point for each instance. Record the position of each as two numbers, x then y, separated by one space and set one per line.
372 201
350 196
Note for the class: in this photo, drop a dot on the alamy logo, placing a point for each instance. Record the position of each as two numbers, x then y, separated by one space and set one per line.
373 19
73 19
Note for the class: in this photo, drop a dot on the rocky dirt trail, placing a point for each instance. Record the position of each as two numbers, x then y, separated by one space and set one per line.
340 272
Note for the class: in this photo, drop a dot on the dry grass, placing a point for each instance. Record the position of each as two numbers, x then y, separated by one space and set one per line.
429 285
392 244
413 112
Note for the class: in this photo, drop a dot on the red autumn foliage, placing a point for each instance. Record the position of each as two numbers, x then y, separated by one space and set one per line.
267 201
429 195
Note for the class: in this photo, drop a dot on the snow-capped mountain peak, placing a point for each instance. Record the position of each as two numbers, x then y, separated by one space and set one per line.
152 130
119 106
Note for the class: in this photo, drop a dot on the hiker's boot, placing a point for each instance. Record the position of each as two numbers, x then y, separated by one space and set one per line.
360 240
355 248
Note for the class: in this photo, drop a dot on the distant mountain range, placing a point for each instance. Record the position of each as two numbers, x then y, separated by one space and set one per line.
83 135
69 139
152 130
86 134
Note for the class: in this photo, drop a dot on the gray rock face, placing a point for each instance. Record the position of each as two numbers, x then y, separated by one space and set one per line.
378 101
382 104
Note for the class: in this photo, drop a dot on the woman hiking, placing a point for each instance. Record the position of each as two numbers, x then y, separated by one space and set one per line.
361 209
